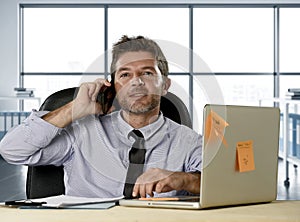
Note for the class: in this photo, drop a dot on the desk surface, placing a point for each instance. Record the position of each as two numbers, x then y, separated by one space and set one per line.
275 211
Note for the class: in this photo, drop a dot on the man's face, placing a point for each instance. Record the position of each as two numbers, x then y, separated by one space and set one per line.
138 82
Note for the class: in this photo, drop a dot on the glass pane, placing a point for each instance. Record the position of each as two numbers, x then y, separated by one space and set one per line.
231 90
154 23
63 39
46 85
289 39
234 39
180 87
246 90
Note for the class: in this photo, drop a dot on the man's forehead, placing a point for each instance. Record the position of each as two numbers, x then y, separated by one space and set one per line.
133 57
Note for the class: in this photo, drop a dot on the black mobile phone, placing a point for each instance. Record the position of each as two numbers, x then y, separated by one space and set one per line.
106 97
23 203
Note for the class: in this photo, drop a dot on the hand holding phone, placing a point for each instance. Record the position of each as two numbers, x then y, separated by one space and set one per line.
106 97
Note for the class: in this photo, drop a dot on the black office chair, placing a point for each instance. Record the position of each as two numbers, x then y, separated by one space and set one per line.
43 181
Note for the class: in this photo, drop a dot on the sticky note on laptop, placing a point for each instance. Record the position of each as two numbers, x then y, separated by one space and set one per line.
215 127
245 156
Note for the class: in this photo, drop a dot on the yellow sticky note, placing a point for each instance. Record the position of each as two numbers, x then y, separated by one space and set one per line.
245 156
214 127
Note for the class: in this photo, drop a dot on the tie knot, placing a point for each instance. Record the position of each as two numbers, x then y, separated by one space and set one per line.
136 134
139 139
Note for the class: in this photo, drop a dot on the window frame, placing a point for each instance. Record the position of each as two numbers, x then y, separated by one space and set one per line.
275 72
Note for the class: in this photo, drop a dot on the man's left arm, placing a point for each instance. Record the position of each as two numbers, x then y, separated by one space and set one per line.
180 181
160 181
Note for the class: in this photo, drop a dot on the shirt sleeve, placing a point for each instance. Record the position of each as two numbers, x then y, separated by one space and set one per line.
194 163
36 142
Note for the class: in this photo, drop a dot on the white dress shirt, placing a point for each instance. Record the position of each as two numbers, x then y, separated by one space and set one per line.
94 150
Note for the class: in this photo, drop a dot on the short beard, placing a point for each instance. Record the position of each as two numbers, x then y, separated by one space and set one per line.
139 108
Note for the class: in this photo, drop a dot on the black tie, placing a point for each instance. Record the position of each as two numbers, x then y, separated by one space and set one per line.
136 162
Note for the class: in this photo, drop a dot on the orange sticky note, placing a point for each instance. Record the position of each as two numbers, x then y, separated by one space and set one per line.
245 156
214 127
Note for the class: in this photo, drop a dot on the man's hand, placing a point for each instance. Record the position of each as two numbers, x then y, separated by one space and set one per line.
84 104
159 181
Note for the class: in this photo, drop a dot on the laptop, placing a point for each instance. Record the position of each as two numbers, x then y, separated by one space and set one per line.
240 159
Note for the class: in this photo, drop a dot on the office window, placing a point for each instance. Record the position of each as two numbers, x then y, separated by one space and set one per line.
58 41
245 89
62 39
289 40
234 39
230 90
70 40
169 26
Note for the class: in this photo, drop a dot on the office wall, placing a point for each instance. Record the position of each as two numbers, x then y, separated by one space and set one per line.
8 50
9 17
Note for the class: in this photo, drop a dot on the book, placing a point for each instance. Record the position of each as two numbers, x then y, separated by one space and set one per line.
293 93
24 92
63 201
296 97
21 89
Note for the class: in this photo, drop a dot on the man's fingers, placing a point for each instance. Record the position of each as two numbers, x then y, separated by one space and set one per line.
93 88
149 189
135 191
163 186
142 190
99 83
174 181
96 91
159 181
139 190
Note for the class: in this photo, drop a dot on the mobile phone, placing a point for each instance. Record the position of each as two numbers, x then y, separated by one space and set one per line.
23 203
106 97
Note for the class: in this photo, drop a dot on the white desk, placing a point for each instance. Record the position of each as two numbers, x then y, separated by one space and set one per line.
275 211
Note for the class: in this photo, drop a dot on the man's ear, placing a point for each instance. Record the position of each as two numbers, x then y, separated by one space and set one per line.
166 85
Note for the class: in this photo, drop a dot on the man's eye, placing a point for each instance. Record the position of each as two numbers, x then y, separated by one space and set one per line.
148 74
123 75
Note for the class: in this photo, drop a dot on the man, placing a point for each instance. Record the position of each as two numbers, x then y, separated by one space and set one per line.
95 149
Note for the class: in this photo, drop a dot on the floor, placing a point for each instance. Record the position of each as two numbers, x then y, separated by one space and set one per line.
13 180
292 192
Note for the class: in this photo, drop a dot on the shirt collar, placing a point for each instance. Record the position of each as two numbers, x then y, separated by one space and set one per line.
148 131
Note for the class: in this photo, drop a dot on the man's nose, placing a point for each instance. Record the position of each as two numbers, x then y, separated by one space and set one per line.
137 80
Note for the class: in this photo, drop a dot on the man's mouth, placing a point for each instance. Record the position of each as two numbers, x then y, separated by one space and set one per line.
137 94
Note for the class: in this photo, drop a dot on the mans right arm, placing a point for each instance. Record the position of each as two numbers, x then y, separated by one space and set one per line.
42 139
84 104
36 142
